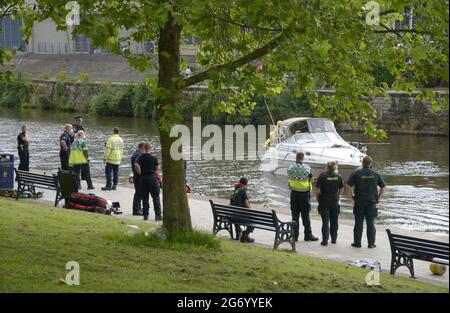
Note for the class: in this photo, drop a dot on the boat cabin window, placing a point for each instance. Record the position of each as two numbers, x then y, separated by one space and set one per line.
321 126
299 127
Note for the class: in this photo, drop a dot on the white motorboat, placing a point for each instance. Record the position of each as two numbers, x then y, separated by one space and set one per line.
318 139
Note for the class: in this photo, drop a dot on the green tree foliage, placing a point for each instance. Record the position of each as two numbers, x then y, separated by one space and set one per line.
324 43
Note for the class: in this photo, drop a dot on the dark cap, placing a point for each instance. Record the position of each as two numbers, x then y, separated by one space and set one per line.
77 117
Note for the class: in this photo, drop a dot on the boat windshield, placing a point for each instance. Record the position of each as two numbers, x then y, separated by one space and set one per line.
302 138
328 137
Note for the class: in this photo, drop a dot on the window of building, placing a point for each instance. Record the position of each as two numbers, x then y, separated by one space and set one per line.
149 47
83 43
10 33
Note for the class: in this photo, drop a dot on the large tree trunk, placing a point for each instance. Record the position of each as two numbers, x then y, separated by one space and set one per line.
175 203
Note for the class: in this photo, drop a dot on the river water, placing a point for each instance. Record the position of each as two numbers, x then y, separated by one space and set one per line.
416 169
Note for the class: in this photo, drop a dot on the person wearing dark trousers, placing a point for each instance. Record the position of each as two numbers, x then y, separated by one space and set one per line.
79 160
65 141
147 167
22 149
137 199
300 184
368 191
329 187
240 199
112 159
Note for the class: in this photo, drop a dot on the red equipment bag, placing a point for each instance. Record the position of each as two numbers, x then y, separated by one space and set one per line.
88 202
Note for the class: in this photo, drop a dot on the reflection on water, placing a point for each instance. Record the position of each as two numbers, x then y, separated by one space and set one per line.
415 168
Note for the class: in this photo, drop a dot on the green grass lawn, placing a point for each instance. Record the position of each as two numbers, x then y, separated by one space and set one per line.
37 241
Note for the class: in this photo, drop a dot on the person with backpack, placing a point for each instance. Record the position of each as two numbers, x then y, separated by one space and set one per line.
240 199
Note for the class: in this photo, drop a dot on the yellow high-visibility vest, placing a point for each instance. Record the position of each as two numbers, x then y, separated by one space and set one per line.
114 150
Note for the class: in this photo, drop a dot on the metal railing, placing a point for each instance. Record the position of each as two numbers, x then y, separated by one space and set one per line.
52 47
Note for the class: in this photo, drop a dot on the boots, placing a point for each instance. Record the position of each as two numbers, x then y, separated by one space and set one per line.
138 212
238 232
245 237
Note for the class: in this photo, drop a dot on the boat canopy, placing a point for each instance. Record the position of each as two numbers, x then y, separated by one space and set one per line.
299 125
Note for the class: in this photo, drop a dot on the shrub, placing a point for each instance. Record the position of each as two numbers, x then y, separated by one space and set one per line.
15 92
128 100
83 78
43 75
61 76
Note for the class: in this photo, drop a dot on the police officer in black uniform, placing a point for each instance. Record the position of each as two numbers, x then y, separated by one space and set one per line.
22 149
329 187
366 196
147 167
65 141
78 124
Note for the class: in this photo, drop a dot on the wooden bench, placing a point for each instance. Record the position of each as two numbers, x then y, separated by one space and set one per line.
225 216
404 249
29 181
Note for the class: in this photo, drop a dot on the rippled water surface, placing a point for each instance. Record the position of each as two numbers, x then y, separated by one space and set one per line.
415 168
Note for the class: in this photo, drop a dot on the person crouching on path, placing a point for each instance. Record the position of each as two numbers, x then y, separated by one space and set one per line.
329 187
79 159
112 159
147 167
240 199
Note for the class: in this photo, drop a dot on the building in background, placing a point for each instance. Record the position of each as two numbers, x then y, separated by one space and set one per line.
46 39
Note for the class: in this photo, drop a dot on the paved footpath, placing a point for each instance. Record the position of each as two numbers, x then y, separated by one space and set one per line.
342 251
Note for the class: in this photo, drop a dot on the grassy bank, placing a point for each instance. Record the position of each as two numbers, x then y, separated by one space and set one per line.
37 242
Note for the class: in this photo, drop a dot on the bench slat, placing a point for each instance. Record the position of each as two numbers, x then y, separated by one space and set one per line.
434 242
40 178
39 184
439 248
244 214
236 219
238 209
422 252
425 250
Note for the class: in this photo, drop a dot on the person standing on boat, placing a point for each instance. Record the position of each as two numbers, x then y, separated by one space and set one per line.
22 149
366 196
300 184
329 187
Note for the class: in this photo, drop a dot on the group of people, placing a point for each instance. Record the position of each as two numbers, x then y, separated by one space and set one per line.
367 191
366 184
74 157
